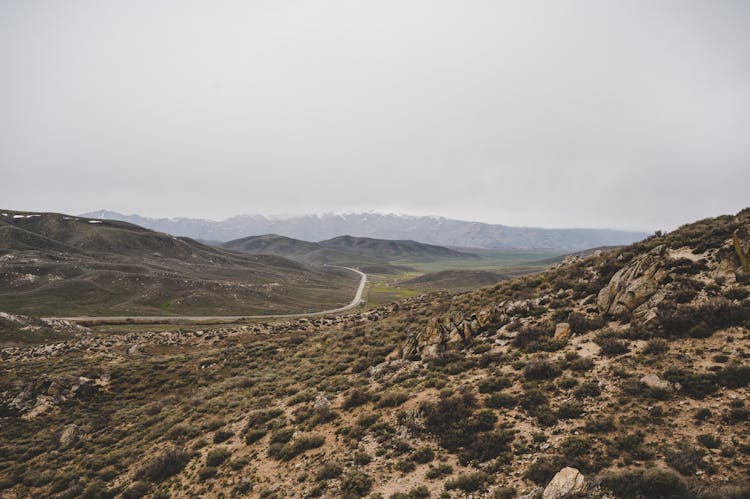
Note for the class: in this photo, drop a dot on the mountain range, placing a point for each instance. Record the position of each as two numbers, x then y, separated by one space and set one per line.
431 230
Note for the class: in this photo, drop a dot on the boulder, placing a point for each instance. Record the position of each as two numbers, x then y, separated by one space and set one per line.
655 382
69 436
567 481
562 331
741 239
634 284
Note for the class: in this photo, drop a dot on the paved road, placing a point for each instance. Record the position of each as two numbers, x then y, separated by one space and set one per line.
215 319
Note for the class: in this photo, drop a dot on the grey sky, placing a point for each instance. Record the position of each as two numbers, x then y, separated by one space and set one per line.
630 114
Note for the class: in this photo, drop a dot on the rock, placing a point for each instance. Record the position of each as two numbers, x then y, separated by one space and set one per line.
634 284
741 239
322 405
69 436
534 493
655 382
566 482
562 331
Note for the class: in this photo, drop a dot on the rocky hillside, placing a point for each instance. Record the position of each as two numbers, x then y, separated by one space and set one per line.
621 374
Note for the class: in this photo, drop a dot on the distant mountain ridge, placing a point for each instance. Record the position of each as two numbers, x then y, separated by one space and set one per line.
373 255
430 230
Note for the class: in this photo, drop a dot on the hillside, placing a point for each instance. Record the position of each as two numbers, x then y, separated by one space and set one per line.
394 249
455 279
373 255
430 230
52 264
620 374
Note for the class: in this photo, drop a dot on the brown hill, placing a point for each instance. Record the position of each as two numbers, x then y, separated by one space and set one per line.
55 264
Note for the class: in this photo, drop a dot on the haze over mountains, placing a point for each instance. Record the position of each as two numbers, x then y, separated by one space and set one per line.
431 230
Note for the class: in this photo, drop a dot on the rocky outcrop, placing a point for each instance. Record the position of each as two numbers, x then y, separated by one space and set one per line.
656 383
562 331
69 435
634 284
741 240
567 482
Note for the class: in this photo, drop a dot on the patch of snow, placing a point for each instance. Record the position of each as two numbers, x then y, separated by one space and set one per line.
95 221
19 216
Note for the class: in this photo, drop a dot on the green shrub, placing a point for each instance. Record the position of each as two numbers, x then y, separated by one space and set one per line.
469 482
653 482
500 401
217 456
328 471
685 458
423 455
164 464
542 369
206 473
393 398
493 384
356 398
355 484
222 436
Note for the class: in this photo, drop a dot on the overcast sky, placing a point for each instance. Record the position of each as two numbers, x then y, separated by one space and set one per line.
629 114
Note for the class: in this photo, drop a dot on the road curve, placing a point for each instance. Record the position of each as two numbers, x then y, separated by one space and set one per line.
215 319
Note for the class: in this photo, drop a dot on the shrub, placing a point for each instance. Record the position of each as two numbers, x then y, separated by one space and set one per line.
469 482
570 409
206 473
656 346
611 345
393 398
166 463
286 452
356 398
581 364
588 389
423 455
685 458
734 376
702 414
493 384
438 472
500 401
328 471
542 369
281 436
709 441
653 482
488 445
355 484
696 385
217 456
222 436
542 470
252 436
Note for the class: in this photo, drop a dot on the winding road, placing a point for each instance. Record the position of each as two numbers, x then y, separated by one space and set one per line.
215 319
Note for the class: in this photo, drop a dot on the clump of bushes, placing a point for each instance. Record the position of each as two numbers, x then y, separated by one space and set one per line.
217 456
393 398
164 464
685 458
468 482
355 484
542 369
356 398
287 451
645 483
611 344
